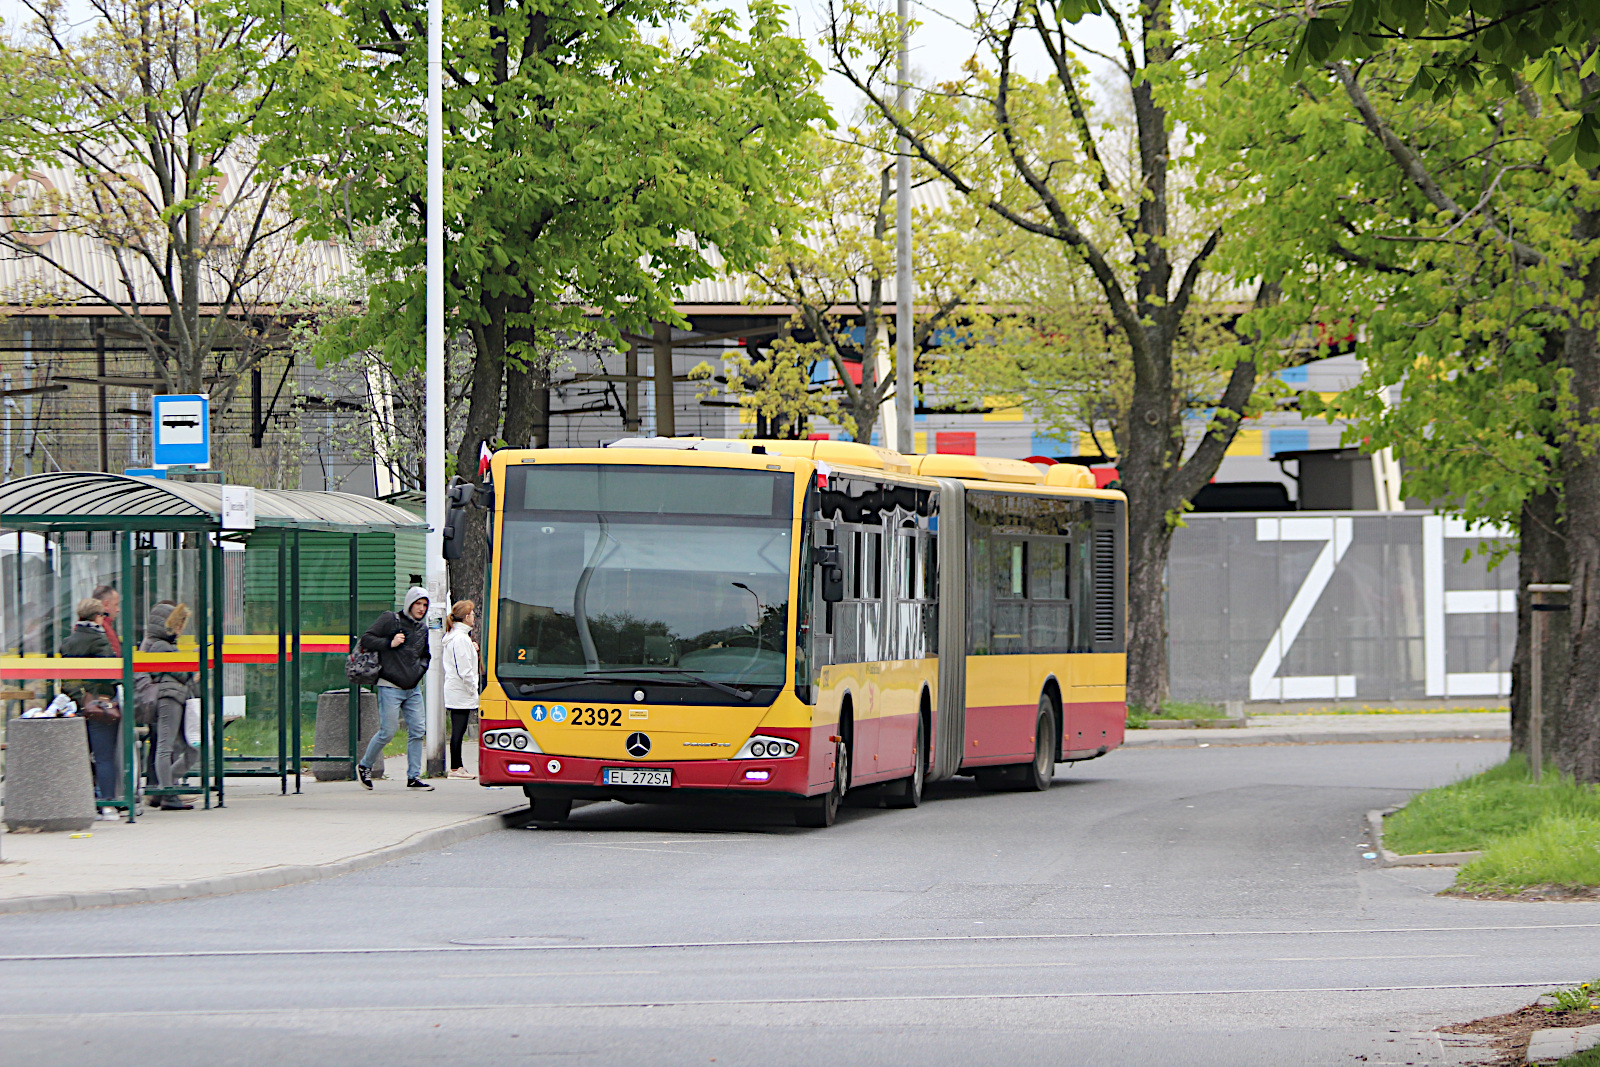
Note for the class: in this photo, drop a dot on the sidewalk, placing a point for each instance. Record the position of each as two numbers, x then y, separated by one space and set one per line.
261 840
1335 729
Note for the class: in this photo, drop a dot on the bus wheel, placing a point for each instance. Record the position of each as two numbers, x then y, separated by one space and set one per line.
907 792
1043 768
548 809
819 812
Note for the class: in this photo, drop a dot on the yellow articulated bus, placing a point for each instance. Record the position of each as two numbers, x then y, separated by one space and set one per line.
782 622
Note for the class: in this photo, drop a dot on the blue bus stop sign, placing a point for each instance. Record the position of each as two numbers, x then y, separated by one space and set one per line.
180 429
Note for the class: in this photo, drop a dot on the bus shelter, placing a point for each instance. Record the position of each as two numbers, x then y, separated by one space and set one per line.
63 535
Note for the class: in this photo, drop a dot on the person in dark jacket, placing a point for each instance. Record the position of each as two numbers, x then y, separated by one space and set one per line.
88 639
174 756
401 641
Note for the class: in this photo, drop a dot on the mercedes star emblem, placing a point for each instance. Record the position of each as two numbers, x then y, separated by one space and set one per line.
638 745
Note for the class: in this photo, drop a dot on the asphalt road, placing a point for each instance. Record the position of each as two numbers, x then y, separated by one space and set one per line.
1169 906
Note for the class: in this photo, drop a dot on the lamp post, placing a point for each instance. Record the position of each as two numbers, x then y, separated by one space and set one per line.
437 580
904 287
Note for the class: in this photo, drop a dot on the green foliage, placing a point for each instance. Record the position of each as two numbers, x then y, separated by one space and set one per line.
1578 998
590 159
1474 45
1442 230
1500 804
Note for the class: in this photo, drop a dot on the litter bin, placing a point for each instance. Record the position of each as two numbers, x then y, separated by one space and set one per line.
333 734
49 785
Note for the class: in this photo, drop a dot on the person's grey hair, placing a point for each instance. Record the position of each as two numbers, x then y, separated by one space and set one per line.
90 608
100 592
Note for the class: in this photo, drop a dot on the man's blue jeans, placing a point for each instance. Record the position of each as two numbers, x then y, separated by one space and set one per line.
391 702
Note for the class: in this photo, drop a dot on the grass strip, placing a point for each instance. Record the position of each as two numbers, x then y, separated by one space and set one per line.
1476 812
1558 850
1544 834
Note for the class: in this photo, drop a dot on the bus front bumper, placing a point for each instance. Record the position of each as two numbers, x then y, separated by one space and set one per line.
544 775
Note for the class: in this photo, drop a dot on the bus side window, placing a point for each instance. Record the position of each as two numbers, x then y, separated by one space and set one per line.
875 544
930 569
908 566
855 563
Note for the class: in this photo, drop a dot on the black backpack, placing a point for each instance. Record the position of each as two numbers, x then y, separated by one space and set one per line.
362 666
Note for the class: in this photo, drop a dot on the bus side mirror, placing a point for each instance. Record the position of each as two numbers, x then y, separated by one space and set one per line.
455 519
832 573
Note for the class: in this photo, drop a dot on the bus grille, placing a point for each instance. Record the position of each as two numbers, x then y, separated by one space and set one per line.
1105 584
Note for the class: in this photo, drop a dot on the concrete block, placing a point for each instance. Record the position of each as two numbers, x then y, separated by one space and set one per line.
1547 1046
48 782
333 734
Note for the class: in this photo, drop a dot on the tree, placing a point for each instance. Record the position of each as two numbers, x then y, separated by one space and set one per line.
590 162
135 134
1472 42
1029 152
837 269
1471 256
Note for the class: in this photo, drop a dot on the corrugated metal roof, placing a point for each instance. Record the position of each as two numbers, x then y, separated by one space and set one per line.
87 497
282 268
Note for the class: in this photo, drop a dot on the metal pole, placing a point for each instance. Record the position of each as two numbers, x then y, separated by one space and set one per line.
202 640
219 564
438 580
355 635
904 286
294 678
1536 665
1536 697
130 758
100 369
283 658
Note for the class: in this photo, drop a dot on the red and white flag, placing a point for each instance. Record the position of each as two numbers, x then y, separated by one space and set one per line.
483 458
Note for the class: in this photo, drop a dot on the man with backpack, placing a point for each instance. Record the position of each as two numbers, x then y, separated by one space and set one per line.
401 641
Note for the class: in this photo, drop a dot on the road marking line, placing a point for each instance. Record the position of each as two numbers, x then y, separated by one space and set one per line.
545 974
279 1012
773 943
1331 959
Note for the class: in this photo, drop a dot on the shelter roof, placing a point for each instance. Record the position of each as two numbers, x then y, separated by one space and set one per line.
92 500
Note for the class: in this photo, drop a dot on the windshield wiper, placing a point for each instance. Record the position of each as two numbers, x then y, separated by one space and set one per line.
632 676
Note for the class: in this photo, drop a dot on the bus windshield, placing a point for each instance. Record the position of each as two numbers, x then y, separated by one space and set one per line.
664 572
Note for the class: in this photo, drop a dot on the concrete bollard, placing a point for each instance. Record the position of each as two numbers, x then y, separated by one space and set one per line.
49 785
333 733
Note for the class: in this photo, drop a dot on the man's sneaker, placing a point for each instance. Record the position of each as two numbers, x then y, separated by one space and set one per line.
365 774
418 783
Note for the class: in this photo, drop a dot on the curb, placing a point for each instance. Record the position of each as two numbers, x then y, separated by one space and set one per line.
274 877
1415 859
1317 737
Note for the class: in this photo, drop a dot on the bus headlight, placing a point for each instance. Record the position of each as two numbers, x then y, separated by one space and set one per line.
519 740
763 747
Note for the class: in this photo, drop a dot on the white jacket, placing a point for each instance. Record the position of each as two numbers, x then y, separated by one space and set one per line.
460 668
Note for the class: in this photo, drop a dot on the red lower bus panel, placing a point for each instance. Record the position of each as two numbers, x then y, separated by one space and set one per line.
1001 733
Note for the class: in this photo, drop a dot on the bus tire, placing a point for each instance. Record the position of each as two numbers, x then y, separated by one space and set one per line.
1038 774
549 809
907 792
820 812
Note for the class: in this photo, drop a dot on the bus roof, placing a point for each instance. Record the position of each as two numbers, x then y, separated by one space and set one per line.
991 471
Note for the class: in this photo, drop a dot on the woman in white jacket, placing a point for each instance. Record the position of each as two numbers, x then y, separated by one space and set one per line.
460 656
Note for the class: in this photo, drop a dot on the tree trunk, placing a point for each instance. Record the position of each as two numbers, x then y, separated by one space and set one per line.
528 404
666 414
1149 543
467 574
1541 557
1577 735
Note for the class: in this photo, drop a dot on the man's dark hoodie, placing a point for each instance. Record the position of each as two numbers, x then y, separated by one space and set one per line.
403 666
